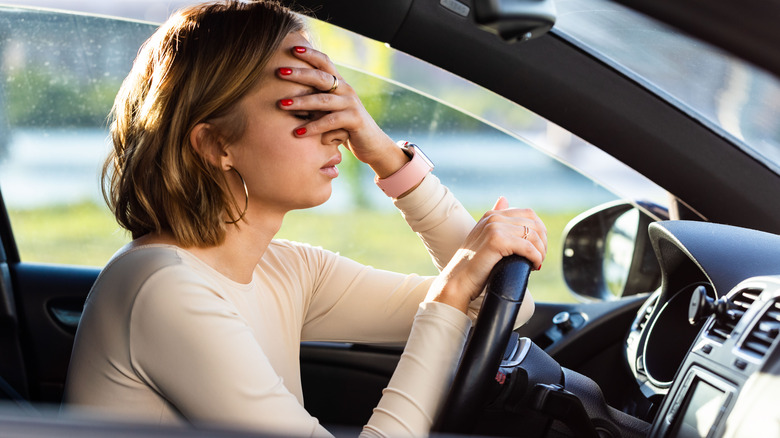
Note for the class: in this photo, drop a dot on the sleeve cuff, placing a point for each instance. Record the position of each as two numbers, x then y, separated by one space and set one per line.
422 197
447 313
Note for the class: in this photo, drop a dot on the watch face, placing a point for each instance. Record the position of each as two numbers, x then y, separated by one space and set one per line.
425 158
411 149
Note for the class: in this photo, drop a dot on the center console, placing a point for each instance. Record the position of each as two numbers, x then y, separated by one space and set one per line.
731 347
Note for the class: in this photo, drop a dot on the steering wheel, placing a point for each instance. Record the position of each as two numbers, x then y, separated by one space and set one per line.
482 356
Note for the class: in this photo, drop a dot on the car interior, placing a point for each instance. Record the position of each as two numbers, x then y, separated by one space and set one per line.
676 338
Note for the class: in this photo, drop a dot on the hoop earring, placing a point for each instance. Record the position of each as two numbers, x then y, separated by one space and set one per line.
246 195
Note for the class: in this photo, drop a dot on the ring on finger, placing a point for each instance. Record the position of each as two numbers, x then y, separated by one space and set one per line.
525 231
335 84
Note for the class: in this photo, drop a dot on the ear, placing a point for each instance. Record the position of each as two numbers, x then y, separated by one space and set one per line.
207 142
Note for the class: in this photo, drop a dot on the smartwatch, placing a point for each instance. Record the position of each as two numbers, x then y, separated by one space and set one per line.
407 176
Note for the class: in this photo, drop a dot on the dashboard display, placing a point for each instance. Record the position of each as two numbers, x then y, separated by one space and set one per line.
700 410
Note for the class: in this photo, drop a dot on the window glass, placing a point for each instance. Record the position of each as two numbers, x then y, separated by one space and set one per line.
61 72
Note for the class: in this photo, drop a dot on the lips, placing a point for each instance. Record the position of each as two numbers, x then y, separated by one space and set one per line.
330 168
333 161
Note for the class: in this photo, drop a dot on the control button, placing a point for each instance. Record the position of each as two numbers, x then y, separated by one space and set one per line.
706 349
741 364
563 321
674 408
672 412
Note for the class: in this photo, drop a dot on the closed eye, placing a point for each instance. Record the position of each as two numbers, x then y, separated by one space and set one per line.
309 115
304 115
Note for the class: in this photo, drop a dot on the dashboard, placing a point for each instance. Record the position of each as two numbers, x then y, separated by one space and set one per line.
699 368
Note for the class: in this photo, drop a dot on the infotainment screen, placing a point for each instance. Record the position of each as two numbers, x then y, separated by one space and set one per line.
700 410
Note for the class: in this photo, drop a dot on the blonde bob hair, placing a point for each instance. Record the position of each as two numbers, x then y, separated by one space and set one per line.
193 69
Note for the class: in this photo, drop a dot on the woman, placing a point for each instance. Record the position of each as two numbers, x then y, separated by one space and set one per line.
228 120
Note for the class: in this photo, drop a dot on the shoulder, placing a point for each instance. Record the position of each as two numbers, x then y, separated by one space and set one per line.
146 256
130 267
134 265
176 289
165 270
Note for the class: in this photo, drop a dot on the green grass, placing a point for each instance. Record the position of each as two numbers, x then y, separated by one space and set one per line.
86 234
79 234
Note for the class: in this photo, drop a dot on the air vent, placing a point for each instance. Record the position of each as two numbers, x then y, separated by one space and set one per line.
760 338
738 304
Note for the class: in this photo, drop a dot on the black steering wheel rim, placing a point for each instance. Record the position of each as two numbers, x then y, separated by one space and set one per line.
484 351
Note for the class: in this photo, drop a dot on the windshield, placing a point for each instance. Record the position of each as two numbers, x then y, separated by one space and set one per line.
729 95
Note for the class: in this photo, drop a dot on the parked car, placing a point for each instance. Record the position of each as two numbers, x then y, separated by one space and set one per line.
653 155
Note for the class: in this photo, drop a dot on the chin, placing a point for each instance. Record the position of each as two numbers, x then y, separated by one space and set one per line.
316 201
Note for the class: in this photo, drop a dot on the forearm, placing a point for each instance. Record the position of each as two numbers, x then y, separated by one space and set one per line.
441 221
423 375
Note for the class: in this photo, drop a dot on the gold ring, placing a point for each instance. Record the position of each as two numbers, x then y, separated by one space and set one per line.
525 231
335 84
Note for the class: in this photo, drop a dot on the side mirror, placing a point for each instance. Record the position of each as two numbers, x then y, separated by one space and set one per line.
515 20
607 252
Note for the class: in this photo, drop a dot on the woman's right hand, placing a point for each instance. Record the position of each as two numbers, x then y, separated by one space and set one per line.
500 232
342 116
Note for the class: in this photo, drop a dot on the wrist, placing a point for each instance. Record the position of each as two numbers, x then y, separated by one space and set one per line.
445 290
409 175
453 300
390 161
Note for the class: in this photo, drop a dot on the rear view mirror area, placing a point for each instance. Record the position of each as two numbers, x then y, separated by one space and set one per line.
515 20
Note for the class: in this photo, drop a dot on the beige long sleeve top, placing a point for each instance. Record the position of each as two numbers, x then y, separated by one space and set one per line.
165 338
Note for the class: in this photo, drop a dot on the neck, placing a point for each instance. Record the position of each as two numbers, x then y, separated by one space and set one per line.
243 247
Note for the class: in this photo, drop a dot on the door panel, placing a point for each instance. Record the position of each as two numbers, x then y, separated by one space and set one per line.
342 383
46 295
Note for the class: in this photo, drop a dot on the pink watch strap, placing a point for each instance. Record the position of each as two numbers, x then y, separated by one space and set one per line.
406 177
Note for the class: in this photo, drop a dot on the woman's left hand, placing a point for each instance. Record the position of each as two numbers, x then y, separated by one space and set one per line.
343 115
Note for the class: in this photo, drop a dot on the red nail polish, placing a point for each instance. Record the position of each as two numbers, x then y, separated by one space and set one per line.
284 71
286 102
300 49
540 267
300 131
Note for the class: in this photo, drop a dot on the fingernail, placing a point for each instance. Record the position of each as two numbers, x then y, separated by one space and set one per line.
300 49
284 71
540 267
286 102
300 131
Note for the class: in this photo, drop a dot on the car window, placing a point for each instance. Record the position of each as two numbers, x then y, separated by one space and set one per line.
60 74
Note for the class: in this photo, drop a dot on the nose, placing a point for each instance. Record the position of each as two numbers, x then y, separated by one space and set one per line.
334 138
